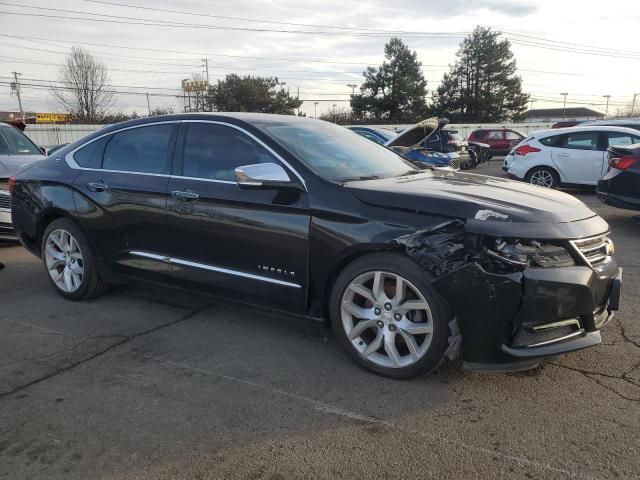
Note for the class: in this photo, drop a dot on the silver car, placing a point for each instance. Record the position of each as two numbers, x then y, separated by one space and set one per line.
16 150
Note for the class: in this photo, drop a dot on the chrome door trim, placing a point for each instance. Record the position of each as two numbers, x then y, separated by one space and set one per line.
68 158
203 266
73 164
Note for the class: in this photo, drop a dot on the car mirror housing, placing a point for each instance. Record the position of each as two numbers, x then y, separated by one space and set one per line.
263 175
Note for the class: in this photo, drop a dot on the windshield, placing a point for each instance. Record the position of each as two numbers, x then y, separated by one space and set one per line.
336 153
14 142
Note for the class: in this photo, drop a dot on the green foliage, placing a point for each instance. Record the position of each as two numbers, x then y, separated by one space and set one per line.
341 116
250 94
482 85
396 90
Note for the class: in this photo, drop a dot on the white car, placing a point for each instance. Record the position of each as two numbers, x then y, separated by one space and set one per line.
573 156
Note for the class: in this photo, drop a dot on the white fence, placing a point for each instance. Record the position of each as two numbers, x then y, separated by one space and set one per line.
50 135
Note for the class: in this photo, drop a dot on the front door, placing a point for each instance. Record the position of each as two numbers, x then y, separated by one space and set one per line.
580 157
248 243
121 196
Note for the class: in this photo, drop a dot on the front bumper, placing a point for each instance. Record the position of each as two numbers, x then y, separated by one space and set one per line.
513 321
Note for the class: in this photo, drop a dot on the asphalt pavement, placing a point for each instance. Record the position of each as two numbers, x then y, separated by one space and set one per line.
150 383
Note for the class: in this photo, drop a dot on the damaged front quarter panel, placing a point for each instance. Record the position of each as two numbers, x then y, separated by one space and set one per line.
484 303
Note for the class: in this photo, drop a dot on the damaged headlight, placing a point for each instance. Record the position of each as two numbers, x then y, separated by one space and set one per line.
529 253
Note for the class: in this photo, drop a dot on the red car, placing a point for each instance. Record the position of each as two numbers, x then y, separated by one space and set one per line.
500 140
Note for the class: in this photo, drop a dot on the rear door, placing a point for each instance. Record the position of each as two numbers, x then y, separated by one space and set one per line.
247 243
121 196
495 138
580 157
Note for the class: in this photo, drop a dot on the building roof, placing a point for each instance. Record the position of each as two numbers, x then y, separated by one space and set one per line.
571 112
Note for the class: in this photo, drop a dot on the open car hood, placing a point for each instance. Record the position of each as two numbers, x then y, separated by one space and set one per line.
417 134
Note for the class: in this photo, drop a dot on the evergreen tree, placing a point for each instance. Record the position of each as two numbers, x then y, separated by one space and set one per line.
482 85
396 90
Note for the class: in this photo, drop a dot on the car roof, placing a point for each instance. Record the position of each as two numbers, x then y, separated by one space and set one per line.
613 121
589 128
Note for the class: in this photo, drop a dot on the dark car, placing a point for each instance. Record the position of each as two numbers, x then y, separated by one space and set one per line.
620 187
411 266
566 124
619 122
500 140
446 141
377 135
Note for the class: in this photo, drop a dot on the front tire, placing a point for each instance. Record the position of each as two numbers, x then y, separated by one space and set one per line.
387 316
69 262
543 177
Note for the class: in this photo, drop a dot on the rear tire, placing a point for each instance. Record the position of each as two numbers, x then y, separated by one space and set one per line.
69 262
396 333
543 177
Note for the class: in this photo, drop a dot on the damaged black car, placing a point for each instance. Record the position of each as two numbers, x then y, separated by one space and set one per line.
411 266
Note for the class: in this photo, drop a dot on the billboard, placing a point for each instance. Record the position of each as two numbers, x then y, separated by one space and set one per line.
52 117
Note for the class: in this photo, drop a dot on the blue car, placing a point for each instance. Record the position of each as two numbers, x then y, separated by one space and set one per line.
378 135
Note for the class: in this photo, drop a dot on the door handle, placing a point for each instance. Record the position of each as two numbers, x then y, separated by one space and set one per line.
563 155
98 186
184 196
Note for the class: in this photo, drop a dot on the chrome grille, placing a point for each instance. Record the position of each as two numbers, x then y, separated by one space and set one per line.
594 250
5 200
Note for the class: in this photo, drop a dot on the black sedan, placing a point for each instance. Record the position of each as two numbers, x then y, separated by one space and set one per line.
620 187
307 217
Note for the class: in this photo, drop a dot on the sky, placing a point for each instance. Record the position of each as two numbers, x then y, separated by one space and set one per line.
585 48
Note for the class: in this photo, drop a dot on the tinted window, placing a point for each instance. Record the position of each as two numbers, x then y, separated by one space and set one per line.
494 135
90 156
215 151
512 136
14 142
144 149
581 141
370 136
551 141
615 138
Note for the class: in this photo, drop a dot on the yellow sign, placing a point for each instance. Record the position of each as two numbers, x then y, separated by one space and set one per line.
52 117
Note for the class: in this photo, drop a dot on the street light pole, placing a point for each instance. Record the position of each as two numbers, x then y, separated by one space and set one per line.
633 104
564 106
315 109
606 111
353 88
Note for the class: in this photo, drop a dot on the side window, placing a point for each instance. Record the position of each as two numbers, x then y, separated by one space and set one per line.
143 149
90 156
494 135
370 136
616 138
214 152
512 135
581 141
553 141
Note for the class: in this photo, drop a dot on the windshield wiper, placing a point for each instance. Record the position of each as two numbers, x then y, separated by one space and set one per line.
410 172
360 178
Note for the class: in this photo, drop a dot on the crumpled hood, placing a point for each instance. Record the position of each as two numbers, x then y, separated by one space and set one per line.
9 164
471 196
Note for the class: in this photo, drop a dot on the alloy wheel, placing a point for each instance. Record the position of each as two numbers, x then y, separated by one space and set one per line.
542 178
387 319
64 261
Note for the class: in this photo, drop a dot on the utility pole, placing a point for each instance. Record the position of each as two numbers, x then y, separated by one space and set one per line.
564 106
315 109
606 111
148 104
17 86
205 64
633 104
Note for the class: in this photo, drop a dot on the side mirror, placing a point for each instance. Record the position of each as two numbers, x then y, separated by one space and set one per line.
263 175
43 150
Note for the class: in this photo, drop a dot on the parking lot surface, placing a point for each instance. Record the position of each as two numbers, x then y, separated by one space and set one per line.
149 383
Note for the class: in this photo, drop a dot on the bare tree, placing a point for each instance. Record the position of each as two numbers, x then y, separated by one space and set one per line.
84 88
